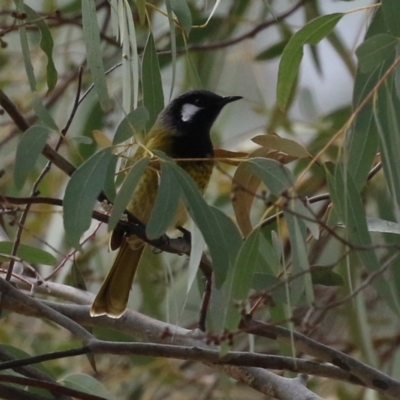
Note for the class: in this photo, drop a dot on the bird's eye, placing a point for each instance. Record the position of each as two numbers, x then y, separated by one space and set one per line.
198 102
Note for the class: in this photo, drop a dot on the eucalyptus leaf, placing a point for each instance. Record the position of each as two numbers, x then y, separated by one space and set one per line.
32 143
86 384
311 33
46 44
27 253
348 204
81 193
219 232
391 12
275 176
182 12
91 35
153 95
375 50
166 204
240 279
135 121
126 191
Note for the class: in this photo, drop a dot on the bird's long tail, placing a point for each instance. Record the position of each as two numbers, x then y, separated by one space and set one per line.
113 295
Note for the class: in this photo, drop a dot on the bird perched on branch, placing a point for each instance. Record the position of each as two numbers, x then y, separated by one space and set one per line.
182 131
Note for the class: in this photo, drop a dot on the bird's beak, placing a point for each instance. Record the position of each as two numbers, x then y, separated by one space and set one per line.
229 99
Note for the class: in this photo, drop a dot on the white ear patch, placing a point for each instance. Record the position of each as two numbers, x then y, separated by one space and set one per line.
188 111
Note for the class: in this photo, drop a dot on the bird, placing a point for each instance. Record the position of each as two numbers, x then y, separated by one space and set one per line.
181 131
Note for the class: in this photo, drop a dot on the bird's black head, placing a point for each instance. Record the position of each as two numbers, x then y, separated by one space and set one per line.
190 117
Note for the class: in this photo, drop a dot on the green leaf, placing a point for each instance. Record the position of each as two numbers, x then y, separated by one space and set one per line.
272 285
130 57
109 181
81 193
25 49
153 95
46 44
134 121
173 44
91 36
381 225
126 191
362 139
272 52
193 75
81 140
219 232
87 384
32 143
182 12
311 33
387 119
325 276
348 204
288 146
42 112
29 254
275 176
298 244
196 253
240 278
391 12
375 50
141 7
166 204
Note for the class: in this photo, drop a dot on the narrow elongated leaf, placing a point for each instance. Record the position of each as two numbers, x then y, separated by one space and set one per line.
42 112
81 194
193 74
349 206
298 244
246 183
153 95
182 12
381 225
219 232
388 123
166 204
109 181
135 121
275 176
272 52
311 33
29 148
27 253
86 384
91 35
269 260
287 146
173 44
325 276
362 139
391 11
46 44
25 50
240 279
375 50
244 189
196 252
126 191
134 61
141 7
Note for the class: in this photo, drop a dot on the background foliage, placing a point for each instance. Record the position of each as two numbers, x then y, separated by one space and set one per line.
300 219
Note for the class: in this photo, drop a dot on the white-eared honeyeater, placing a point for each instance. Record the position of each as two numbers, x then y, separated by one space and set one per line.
182 131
